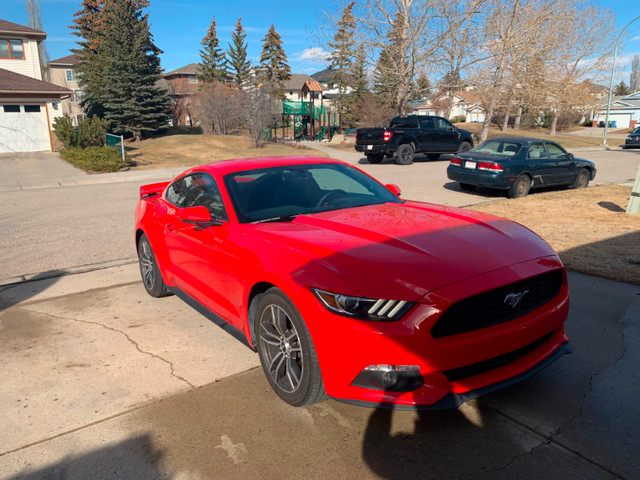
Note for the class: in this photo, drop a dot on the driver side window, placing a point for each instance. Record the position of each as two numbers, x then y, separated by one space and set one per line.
444 125
198 190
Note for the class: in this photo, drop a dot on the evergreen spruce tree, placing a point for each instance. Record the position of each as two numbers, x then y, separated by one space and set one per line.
128 60
239 66
90 67
274 70
341 58
213 67
385 84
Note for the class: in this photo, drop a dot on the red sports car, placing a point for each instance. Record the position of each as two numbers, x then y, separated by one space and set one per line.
346 290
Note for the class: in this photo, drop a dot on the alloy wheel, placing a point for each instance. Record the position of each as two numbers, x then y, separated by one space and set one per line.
147 264
281 348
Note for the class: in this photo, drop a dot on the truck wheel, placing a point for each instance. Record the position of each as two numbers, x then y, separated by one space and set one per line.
464 147
405 154
375 157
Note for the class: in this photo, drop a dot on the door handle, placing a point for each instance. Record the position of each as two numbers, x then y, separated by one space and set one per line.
170 227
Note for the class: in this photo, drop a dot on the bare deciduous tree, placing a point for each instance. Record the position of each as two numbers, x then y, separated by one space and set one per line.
35 21
219 109
260 108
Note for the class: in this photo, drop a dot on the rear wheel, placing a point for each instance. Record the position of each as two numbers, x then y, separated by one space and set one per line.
149 270
375 157
286 351
582 180
433 156
467 187
405 154
520 187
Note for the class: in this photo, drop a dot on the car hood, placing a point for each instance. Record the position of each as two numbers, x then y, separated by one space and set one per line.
405 250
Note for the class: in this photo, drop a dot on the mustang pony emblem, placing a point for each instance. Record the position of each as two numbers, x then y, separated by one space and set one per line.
513 299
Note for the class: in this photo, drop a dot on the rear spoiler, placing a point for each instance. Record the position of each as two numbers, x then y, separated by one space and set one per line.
152 189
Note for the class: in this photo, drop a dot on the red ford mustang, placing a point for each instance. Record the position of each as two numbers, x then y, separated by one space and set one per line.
346 290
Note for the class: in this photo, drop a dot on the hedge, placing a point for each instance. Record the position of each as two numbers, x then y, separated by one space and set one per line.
95 159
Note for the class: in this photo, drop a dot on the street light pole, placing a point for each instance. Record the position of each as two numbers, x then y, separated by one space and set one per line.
613 68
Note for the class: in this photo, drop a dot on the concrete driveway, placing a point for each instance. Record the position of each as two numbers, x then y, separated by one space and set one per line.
101 381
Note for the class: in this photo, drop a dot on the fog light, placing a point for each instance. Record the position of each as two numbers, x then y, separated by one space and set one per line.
390 378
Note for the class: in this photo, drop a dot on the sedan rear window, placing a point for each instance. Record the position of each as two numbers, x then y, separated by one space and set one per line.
496 147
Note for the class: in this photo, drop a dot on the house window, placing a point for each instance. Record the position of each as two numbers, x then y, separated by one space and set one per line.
11 108
32 108
193 79
11 49
70 76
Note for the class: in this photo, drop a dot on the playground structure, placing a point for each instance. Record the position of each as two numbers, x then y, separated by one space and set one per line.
304 119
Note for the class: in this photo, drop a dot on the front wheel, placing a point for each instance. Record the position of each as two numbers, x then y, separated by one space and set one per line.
582 180
149 270
405 154
286 351
464 147
520 187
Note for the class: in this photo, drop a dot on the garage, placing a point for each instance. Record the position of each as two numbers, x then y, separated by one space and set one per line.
24 128
623 120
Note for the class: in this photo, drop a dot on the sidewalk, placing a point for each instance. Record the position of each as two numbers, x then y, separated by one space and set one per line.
26 171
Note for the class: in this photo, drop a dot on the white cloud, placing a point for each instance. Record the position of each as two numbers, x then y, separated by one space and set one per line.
635 39
315 54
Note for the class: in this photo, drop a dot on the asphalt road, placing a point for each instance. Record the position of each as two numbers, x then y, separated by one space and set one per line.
61 228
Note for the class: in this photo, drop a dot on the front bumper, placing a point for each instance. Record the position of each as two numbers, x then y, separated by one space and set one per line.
631 142
346 347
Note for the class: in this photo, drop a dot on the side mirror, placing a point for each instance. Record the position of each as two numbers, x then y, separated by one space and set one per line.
394 189
570 156
197 215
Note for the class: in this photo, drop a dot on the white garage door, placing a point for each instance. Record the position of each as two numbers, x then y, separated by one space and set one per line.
622 119
24 128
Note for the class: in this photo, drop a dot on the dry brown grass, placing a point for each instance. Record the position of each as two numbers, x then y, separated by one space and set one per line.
191 150
588 228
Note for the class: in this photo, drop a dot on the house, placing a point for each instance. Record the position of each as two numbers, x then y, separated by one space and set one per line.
466 103
28 105
62 72
625 110
181 85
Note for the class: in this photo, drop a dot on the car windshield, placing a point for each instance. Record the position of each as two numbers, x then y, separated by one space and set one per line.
505 148
281 193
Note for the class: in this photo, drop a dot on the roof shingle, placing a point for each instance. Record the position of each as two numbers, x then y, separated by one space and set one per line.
9 27
11 82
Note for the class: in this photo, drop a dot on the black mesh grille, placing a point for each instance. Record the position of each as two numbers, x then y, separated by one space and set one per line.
495 307
467 371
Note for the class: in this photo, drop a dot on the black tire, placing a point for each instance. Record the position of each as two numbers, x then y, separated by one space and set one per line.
286 351
433 156
467 187
375 157
582 180
464 147
405 154
149 270
520 187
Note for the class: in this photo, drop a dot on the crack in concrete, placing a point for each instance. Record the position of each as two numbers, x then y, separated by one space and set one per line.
131 340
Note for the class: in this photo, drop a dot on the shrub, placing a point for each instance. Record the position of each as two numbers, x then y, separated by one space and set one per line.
95 159
65 131
92 132
459 119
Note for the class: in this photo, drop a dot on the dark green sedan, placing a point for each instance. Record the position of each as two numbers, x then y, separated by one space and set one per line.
518 164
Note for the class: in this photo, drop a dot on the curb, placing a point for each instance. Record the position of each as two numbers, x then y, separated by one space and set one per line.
10 282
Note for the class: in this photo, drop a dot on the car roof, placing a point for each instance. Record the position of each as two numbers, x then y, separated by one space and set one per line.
225 167
524 140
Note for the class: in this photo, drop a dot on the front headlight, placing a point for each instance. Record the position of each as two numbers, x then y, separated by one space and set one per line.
363 308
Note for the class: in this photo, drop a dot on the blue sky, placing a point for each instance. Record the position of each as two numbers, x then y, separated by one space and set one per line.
179 25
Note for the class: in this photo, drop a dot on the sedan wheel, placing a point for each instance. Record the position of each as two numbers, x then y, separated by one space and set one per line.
149 270
582 180
520 188
287 354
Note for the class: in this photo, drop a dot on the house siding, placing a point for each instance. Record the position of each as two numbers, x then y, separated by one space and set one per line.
30 66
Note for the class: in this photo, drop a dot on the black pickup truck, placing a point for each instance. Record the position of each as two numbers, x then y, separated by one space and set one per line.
411 134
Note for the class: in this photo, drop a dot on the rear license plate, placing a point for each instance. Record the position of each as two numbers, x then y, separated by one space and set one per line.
369 147
470 165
